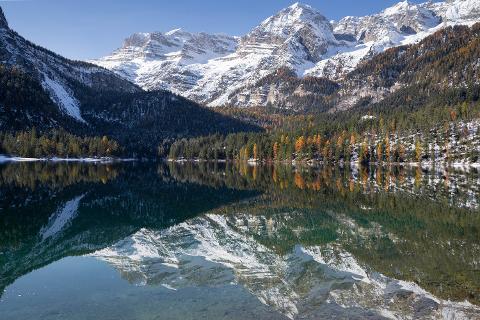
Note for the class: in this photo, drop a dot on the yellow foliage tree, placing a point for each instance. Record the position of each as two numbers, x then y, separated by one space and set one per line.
387 148
353 140
318 141
276 148
326 151
418 150
300 144
246 153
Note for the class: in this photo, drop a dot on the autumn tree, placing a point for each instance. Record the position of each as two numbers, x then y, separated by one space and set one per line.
276 148
300 145
255 151
418 150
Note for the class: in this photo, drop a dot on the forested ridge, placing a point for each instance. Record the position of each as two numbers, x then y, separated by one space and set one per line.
137 120
140 121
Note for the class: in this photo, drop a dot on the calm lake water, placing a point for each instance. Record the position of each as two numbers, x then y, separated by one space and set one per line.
225 241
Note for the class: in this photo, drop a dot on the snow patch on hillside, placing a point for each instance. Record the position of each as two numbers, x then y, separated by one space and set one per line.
63 98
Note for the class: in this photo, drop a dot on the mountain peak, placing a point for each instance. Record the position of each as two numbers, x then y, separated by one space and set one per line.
300 6
3 20
178 31
300 10
402 6
138 39
293 18
302 29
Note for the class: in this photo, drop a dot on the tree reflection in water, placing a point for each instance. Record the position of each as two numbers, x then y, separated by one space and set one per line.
409 224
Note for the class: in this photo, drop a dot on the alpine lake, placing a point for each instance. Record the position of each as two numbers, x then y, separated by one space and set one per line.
150 240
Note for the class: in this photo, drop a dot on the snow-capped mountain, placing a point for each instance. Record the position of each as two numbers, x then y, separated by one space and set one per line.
298 31
220 70
401 24
298 36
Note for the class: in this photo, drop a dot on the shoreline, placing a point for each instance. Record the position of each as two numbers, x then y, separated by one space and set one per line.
7 159
252 162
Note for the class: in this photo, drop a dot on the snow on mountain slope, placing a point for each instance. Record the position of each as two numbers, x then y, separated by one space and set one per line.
167 60
296 37
403 23
393 23
64 99
299 30
454 11
212 69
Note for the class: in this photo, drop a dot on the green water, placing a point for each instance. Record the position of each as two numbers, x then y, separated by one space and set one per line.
232 241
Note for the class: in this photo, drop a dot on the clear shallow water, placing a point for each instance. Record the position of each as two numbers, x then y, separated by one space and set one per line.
86 288
154 241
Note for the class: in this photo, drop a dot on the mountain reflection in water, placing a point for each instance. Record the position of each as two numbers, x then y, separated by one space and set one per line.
305 242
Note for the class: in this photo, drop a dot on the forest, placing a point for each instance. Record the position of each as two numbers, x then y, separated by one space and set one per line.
56 143
430 134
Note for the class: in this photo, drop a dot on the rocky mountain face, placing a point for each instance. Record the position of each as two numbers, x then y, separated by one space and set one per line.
299 38
387 27
453 10
283 89
298 31
3 20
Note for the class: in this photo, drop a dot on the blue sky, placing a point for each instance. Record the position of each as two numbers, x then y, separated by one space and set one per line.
85 29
